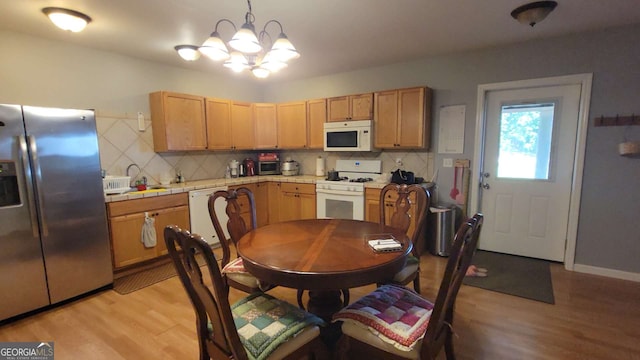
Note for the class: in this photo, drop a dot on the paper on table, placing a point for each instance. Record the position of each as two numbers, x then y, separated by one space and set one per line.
385 245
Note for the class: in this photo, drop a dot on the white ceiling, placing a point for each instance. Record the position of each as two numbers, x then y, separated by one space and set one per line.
332 35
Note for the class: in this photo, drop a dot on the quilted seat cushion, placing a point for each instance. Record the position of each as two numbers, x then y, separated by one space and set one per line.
234 266
264 323
395 314
235 271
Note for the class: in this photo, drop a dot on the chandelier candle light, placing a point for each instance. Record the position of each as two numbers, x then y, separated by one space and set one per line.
248 48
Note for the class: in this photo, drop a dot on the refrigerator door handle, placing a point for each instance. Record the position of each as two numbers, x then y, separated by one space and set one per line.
38 176
24 155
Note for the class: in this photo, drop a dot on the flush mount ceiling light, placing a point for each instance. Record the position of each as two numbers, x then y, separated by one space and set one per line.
66 19
534 12
250 49
188 52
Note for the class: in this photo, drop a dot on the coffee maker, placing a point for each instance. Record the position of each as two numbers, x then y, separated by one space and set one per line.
249 167
233 166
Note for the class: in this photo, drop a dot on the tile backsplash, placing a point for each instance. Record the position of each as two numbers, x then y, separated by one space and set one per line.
122 144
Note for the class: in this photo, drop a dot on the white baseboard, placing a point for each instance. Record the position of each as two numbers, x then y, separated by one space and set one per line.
624 275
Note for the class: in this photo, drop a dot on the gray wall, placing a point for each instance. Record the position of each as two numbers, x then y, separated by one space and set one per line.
39 72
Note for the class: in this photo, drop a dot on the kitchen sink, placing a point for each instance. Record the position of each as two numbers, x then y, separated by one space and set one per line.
150 189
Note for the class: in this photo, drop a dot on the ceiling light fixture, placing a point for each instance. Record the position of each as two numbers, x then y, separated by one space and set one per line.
534 12
250 50
66 19
188 52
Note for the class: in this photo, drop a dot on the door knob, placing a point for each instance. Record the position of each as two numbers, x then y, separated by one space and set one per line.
486 186
486 174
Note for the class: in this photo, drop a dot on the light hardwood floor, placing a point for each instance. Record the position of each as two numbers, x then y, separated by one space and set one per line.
593 318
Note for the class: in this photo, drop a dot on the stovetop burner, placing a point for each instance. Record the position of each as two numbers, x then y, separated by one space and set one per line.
356 180
361 180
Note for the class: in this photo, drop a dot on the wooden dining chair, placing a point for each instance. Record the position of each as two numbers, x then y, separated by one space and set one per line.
394 322
247 327
407 197
233 271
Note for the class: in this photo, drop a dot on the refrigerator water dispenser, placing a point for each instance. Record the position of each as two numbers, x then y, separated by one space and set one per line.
9 193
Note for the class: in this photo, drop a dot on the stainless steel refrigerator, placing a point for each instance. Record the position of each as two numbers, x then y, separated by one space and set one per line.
54 242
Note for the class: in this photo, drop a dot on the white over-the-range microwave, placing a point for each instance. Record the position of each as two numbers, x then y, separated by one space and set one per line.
348 136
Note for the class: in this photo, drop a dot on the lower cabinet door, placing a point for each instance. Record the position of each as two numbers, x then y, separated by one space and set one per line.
126 236
175 216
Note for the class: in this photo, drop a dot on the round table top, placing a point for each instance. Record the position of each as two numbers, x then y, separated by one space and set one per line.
321 254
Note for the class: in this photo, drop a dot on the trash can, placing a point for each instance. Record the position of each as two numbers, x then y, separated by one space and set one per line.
442 222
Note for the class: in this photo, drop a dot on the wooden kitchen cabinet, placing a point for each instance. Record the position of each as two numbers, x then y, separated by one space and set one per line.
242 129
316 117
178 121
218 115
351 107
274 194
261 195
297 201
372 205
266 126
243 202
292 125
126 219
402 118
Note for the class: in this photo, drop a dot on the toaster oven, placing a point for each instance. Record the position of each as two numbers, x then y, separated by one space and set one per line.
269 168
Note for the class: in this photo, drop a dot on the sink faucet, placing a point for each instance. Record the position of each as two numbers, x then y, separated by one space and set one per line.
133 178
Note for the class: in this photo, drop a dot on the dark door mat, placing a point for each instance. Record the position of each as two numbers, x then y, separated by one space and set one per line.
136 281
514 275
147 277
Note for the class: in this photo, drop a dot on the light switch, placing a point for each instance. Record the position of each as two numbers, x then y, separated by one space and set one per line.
447 162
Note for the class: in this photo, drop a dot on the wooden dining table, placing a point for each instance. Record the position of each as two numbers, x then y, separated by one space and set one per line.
322 256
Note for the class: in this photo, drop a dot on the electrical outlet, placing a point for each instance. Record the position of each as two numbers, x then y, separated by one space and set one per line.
447 162
398 162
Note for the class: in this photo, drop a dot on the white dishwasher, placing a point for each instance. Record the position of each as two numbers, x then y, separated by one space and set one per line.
201 223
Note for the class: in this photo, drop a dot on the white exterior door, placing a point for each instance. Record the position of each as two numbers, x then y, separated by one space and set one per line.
527 170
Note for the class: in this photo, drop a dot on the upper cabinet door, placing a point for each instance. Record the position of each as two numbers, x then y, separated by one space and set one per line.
292 125
338 108
402 118
385 119
411 118
242 126
361 106
352 107
178 121
218 124
266 126
316 117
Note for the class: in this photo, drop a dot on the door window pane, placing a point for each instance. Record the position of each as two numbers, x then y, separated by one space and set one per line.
525 141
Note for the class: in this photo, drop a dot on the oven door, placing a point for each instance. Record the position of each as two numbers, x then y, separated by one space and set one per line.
335 204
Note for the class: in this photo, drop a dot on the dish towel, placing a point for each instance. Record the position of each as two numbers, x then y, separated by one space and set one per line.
148 234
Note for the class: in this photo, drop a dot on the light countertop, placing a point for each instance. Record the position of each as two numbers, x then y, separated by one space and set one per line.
210 183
